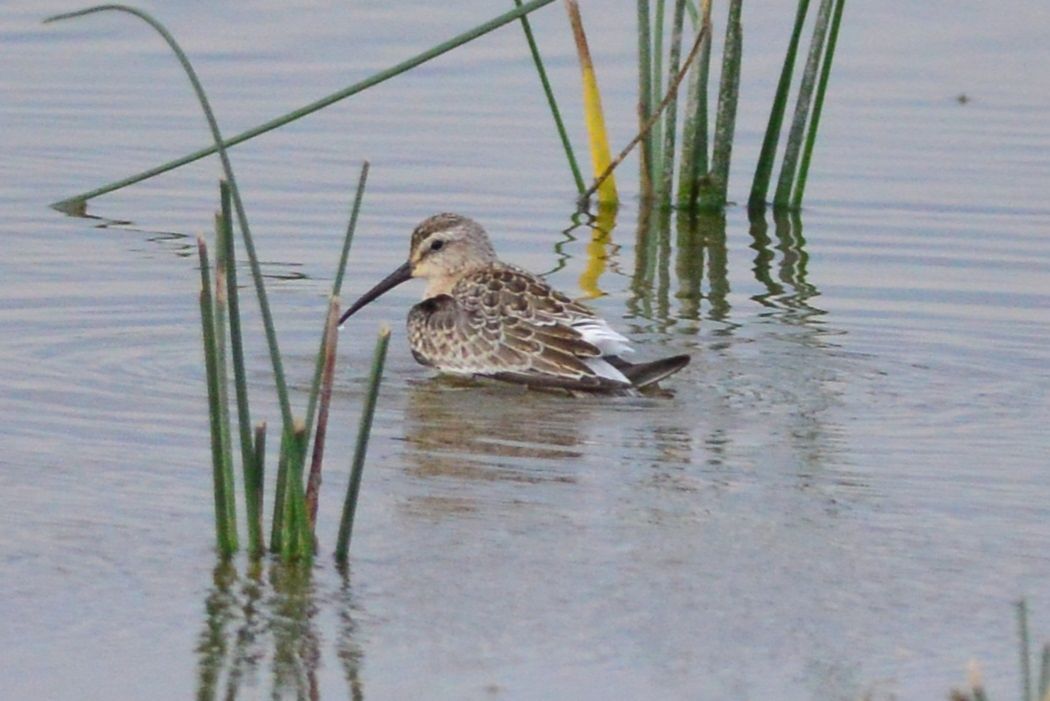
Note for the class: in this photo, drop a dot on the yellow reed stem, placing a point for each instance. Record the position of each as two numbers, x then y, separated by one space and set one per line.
594 118
597 251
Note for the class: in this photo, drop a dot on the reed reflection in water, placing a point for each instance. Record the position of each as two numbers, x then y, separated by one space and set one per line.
699 253
789 289
267 617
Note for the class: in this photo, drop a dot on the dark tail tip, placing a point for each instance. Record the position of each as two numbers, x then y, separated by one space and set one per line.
646 374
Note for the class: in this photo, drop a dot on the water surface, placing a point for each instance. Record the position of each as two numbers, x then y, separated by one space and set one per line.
844 496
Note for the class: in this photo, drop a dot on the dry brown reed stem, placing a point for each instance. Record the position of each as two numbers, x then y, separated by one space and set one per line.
313 483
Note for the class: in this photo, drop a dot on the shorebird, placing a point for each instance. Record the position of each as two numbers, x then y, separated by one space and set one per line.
482 317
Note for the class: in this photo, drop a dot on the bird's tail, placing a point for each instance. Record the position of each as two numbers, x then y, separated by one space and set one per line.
646 374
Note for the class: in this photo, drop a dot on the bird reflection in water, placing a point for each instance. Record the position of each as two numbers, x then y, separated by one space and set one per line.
490 433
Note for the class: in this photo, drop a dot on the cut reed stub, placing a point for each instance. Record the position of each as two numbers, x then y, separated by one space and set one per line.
255 479
313 484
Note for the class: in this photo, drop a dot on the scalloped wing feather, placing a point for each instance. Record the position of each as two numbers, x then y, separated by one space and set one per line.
505 323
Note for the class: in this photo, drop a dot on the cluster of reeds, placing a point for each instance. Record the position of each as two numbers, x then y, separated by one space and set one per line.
706 150
794 168
298 480
703 151
1033 688
700 147
295 493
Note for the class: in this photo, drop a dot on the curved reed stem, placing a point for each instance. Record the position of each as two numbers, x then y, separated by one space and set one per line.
76 202
220 146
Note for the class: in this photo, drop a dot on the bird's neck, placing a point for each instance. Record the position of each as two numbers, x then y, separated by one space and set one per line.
440 285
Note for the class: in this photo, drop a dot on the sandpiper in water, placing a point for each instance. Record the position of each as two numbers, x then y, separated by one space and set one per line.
482 317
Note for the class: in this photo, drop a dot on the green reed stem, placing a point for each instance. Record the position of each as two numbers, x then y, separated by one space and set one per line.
225 538
671 112
818 107
313 483
645 102
229 491
1044 674
255 484
1026 653
647 126
297 543
278 522
789 166
337 286
657 93
346 524
694 14
72 203
563 135
768 154
253 505
220 146
351 226
728 94
694 132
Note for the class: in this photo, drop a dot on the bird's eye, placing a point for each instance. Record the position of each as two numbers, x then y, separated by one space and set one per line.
437 245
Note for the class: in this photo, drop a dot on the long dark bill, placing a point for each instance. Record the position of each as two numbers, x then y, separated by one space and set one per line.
391 281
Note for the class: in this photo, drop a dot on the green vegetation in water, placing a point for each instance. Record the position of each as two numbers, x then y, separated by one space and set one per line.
766 157
1032 689
703 174
292 535
818 107
346 524
225 516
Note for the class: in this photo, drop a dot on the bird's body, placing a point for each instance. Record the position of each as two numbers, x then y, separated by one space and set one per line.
482 317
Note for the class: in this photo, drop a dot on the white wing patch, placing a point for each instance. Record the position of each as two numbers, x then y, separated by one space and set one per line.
602 368
598 333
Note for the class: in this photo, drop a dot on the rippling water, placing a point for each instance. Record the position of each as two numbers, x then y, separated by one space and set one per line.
844 495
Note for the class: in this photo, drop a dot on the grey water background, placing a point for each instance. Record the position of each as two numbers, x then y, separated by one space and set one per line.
845 496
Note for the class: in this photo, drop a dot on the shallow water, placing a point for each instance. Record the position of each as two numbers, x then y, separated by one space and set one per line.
845 495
